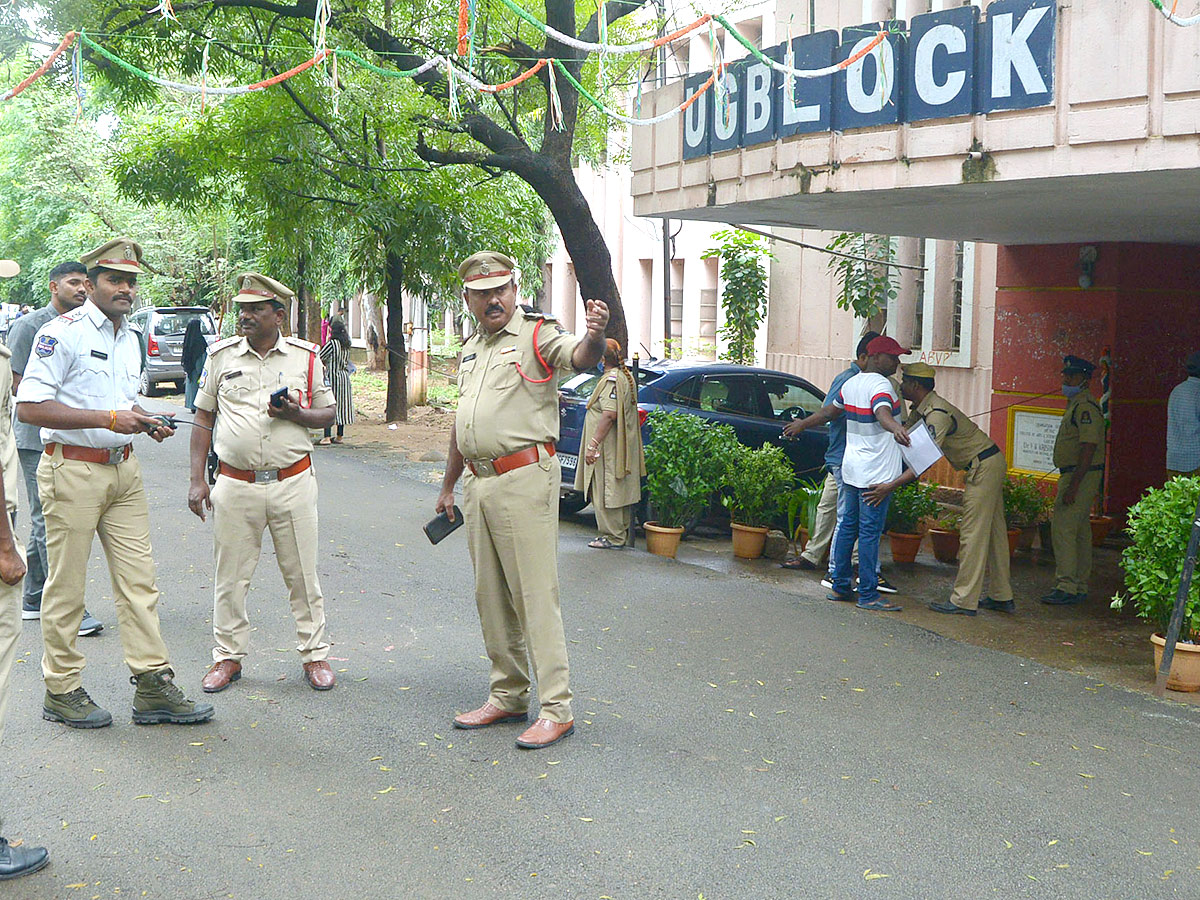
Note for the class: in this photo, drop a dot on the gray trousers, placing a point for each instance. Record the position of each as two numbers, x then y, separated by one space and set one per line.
35 547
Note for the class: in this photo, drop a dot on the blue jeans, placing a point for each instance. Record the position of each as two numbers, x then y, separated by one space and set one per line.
864 523
843 501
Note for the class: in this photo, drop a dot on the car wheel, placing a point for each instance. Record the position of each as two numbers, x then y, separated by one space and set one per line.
571 504
146 386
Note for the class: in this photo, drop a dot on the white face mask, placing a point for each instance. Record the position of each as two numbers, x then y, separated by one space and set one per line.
1070 390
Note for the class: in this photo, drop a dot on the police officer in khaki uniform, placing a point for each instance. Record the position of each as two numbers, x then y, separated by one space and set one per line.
504 436
80 387
983 532
1079 456
19 860
265 476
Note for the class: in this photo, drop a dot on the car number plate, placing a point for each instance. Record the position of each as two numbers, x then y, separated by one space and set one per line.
567 461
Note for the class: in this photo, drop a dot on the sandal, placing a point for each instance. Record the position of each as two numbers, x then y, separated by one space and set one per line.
879 605
796 562
323 442
336 440
603 543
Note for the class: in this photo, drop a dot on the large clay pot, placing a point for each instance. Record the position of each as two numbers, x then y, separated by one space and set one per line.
802 542
904 546
945 545
748 540
662 541
1101 525
1014 538
1185 664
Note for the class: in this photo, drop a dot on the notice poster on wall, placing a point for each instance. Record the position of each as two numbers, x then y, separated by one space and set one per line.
1031 434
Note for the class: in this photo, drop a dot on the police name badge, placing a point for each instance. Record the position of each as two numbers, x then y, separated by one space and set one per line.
45 345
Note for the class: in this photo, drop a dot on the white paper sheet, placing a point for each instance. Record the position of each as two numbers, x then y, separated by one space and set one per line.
923 452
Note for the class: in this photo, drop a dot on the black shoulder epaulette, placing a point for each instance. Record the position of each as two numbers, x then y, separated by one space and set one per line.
530 313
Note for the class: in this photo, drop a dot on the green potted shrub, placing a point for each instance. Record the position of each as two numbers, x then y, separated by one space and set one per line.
1024 506
801 504
910 505
686 461
943 534
1159 527
756 482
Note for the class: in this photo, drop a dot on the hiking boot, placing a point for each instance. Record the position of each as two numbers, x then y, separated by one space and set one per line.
75 709
157 699
18 861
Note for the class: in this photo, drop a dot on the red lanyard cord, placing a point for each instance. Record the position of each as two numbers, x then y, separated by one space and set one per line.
538 353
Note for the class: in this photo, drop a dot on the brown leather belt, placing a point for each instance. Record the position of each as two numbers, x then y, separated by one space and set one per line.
265 476
484 467
91 454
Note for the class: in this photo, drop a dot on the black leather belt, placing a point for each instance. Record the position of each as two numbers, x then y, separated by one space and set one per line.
986 454
1067 470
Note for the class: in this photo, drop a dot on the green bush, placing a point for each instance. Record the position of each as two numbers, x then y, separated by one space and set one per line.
756 484
910 504
686 461
1024 503
800 504
1160 525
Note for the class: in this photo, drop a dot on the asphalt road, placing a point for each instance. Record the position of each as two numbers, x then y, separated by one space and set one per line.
733 741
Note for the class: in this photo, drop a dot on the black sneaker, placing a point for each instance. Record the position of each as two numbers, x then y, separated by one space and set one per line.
885 586
950 609
998 605
827 583
18 861
75 709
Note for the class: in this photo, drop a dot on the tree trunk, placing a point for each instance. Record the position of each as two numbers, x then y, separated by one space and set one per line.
397 386
300 326
373 332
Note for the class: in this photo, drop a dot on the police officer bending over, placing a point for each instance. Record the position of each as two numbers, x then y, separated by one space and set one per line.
265 392
503 435
80 386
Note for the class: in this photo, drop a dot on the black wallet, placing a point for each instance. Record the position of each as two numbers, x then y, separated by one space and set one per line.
440 526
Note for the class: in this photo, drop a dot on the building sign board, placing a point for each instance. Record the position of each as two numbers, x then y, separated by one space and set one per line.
1031 434
948 63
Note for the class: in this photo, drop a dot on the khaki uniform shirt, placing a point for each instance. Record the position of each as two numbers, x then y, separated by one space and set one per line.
1082 423
237 384
960 438
499 411
8 442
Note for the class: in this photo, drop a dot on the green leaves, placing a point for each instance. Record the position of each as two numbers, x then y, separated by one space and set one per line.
910 504
866 287
756 484
686 461
744 297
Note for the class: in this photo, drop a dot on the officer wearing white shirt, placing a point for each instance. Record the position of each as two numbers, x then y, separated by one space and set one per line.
80 387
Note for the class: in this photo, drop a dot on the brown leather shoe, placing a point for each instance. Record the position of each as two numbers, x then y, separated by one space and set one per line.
319 676
543 733
221 675
487 715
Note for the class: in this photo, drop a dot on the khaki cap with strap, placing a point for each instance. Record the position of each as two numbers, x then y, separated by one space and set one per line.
256 288
485 270
919 370
120 254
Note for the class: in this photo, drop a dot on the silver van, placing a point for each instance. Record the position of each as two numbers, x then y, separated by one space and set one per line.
161 330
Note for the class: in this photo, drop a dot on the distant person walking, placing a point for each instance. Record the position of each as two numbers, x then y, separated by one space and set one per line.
335 355
195 351
1183 422
613 462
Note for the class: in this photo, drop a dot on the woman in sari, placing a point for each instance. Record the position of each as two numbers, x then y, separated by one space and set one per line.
612 464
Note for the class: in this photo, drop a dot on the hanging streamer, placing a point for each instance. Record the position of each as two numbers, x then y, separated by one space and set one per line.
1174 19
463 20
204 74
453 91
721 97
789 60
601 76
555 104
334 78
77 79
472 26
41 70
164 7
321 16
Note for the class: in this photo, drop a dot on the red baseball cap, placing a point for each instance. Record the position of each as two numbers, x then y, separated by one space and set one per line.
885 344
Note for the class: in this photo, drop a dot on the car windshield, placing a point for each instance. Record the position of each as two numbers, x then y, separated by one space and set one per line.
584 383
177 322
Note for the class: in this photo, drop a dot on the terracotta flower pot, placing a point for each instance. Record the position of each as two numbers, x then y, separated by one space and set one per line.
1014 538
748 540
1101 526
803 541
945 545
662 541
1185 664
904 546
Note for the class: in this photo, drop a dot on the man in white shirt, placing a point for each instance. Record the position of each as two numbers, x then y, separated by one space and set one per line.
80 387
873 437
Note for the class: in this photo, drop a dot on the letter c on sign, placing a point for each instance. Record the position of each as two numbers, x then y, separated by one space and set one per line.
928 89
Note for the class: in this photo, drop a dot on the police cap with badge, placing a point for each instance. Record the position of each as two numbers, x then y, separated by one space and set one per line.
256 288
1077 365
485 270
120 254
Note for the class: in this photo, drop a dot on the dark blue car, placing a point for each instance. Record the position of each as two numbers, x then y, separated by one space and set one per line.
757 403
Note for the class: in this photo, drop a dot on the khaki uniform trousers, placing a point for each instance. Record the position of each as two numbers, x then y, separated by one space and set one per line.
10 630
821 534
512 532
81 500
1071 531
611 521
984 535
241 512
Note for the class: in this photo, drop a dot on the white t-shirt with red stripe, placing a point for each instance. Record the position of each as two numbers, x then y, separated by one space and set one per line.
872 454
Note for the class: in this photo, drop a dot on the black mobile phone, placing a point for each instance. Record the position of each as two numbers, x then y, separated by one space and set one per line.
438 527
277 397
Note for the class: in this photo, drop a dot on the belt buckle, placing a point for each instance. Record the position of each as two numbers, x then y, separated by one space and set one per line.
266 476
483 467
116 456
